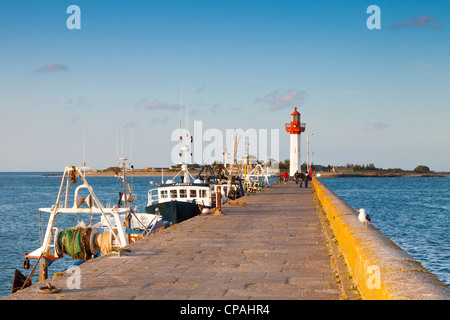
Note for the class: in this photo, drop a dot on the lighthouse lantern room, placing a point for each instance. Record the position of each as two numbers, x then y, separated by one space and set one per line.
295 128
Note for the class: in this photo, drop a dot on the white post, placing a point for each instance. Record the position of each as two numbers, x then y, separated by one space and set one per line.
307 153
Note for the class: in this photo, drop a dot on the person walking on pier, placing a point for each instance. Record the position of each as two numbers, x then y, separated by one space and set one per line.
296 176
285 176
306 179
301 177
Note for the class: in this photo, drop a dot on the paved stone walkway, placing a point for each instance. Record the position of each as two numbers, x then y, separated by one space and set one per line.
272 248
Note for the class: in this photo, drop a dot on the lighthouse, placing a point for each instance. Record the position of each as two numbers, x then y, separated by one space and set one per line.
295 128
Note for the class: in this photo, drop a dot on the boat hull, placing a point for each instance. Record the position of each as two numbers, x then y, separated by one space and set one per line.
18 281
175 211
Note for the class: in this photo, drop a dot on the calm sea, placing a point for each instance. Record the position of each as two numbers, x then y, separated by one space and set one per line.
414 212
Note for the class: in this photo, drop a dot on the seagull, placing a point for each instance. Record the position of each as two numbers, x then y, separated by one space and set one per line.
363 217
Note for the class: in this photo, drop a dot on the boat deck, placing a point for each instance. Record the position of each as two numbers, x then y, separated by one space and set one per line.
274 247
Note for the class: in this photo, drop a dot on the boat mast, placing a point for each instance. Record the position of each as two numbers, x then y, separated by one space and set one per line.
185 149
307 153
84 159
246 158
84 156
186 146
122 163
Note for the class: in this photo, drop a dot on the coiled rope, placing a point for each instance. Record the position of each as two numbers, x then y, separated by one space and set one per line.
83 242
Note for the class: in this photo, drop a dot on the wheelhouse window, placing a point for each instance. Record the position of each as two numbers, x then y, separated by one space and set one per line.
202 193
173 194
193 193
164 194
183 193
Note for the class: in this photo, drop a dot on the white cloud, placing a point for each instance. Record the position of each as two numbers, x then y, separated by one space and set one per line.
377 125
276 101
79 102
131 124
50 68
155 105
201 88
426 21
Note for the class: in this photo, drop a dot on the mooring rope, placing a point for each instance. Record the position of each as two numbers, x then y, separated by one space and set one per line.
103 242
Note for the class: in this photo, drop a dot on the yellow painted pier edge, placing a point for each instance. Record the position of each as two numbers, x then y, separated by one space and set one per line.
379 267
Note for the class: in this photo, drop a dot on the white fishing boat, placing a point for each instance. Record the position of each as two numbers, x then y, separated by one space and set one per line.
183 196
254 173
118 226
181 200
257 179
139 225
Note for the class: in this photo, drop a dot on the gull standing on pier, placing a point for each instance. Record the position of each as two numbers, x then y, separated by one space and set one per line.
363 217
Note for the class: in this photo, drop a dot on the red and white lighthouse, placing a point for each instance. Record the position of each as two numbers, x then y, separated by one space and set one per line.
295 128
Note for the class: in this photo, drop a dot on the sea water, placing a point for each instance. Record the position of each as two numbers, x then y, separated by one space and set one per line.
414 212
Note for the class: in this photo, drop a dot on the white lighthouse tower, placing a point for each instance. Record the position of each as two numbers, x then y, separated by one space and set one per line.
295 128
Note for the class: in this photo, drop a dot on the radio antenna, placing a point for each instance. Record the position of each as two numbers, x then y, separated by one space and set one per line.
117 144
181 102
84 158
131 144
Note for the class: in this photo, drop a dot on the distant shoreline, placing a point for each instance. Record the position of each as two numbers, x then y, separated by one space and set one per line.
318 174
380 174
131 173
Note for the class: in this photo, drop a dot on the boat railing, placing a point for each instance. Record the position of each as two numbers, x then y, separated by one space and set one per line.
152 197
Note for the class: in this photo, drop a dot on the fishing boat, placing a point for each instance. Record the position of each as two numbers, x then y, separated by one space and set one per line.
118 226
139 225
179 201
253 173
257 179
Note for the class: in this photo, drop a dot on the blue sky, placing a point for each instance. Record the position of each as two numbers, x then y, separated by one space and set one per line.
367 96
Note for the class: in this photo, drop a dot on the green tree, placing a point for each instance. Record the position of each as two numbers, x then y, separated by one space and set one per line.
422 169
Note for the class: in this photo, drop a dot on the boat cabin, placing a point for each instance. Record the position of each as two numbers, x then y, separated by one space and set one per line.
199 193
